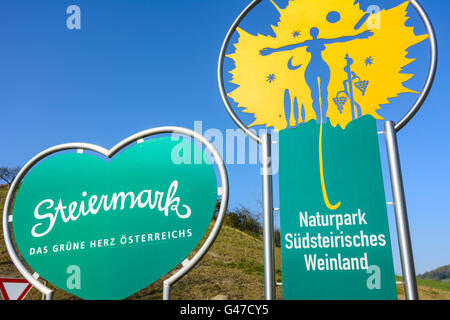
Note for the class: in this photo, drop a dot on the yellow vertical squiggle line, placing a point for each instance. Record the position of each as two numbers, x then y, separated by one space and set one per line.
322 178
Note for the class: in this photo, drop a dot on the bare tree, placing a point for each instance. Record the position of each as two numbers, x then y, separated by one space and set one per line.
9 174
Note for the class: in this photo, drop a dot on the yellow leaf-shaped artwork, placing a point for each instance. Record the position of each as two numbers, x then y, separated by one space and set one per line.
332 66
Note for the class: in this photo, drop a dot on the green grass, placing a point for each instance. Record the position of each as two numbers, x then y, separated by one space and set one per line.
440 285
428 289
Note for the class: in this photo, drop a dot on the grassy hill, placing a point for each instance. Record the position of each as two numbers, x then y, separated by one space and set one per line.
441 274
233 269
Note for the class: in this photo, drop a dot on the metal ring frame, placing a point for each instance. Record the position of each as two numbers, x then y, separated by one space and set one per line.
109 154
403 122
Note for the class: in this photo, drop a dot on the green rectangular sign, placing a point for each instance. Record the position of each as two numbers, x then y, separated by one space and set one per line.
333 217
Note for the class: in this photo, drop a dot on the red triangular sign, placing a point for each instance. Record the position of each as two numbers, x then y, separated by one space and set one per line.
14 289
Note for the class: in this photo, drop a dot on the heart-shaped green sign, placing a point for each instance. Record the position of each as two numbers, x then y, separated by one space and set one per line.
107 228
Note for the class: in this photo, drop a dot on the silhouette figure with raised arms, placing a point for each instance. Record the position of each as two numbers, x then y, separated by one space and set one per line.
317 73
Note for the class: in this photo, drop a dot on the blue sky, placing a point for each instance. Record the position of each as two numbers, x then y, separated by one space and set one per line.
140 64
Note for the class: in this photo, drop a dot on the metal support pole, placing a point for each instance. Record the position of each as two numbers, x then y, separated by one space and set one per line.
269 250
49 296
166 291
401 215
